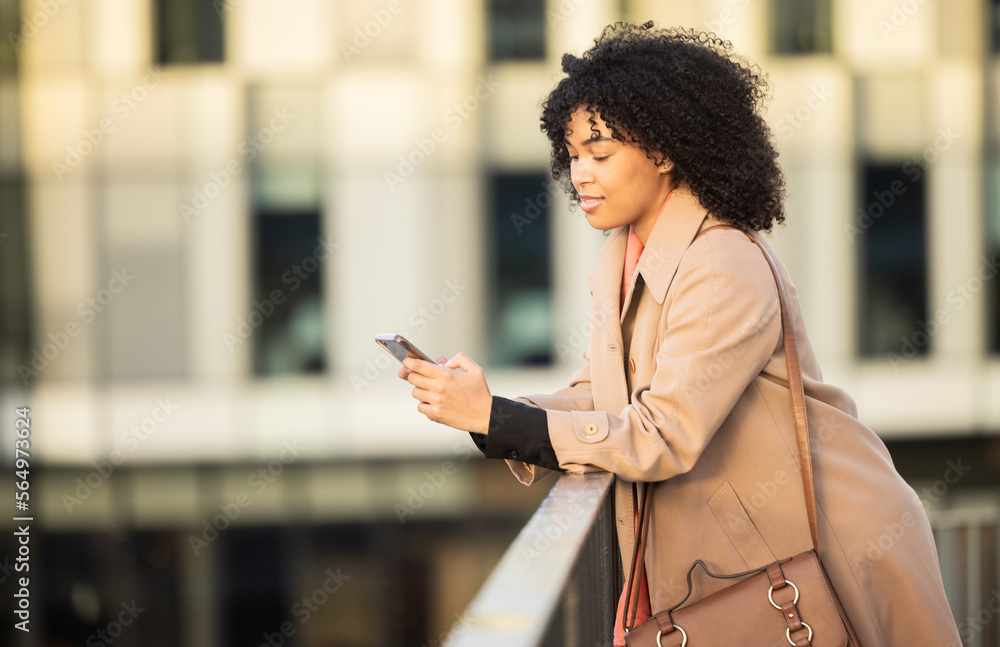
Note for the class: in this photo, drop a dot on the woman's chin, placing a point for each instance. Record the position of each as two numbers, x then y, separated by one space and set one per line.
601 224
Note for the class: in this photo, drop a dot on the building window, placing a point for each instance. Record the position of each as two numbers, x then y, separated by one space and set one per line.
516 29
15 320
159 557
140 303
891 227
993 18
253 586
801 27
125 582
521 318
286 314
10 31
624 9
189 31
80 584
992 254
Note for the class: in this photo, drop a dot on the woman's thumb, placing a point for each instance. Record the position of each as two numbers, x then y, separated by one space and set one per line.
462 361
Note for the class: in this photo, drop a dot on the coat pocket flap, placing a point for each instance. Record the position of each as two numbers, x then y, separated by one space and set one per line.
736 523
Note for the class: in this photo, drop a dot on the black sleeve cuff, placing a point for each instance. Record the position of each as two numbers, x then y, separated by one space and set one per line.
519 432
480 439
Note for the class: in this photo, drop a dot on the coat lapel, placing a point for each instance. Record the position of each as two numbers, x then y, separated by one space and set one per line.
675 228
673 232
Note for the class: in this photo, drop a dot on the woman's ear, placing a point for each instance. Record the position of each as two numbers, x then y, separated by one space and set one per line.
665 165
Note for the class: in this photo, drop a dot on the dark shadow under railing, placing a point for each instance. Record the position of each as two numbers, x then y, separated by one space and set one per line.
557 582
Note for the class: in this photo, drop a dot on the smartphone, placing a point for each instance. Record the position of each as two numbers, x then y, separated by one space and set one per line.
400 347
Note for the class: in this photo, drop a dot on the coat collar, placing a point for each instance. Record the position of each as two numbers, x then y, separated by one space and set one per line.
676 226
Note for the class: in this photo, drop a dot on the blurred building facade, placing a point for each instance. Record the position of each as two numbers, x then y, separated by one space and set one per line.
208 209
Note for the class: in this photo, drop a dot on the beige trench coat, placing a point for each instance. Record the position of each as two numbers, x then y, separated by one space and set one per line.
688 389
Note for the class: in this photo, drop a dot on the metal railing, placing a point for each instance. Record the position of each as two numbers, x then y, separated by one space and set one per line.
968 542
555 584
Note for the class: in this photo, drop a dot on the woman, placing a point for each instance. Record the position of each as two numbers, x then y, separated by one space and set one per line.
656 134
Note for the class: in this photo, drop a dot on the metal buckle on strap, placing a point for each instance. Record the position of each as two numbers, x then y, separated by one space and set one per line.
788 635
788 631
770 595
684 636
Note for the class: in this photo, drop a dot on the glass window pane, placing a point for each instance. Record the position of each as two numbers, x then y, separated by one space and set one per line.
376 31
286 315
522 286
159 560
992 254
893 275
91 578
282 123
10 31
516 29
10 126
144 323
140 298
801 26
188 31
15 323
252 583
82 576
993 15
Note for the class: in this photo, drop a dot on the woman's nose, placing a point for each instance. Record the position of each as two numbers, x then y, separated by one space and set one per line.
581 173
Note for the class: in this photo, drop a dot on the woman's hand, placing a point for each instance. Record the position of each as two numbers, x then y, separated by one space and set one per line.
453 393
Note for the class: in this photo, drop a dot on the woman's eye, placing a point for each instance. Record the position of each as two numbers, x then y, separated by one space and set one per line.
573 158
601 159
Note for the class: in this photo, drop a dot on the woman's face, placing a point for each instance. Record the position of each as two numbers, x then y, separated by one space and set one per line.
618 185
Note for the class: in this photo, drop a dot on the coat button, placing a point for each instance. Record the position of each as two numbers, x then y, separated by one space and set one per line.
631 364
514 454
591 429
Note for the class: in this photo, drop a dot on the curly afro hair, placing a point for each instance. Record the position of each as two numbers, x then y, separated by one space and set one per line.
683 95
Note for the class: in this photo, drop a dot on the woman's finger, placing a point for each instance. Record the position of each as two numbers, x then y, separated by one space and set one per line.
427 410
422 395
421 367
464 362
424 382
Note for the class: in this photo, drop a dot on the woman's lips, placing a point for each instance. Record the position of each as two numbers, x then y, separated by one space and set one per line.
588 202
